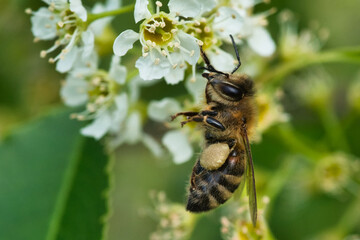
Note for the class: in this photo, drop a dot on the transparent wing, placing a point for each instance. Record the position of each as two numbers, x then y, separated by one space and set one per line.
250 179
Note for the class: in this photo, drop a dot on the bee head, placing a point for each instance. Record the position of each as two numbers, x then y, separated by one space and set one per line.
229 87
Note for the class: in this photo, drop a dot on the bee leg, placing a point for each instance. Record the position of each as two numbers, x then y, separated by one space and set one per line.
187 114
207 120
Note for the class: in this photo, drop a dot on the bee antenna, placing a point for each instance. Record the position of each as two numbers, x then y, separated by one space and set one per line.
237 54
209 67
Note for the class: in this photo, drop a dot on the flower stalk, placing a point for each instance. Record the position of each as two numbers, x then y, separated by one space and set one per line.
122 10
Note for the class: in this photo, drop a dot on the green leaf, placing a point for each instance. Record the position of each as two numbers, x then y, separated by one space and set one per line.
53 182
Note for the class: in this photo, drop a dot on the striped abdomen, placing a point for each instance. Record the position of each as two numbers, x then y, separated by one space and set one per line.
210 188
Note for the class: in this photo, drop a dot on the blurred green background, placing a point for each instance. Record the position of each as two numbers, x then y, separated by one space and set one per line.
29 88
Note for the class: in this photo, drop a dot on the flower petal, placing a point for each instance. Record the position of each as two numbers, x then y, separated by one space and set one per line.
99 127
74 91
133 128
162 110
152 145
141 10
178 145
206 5
222 60
77 7
117 71
88 40
185 8
124 42
261 42
190 44
44 24
196 88
228 21
175 75
65 64
149 70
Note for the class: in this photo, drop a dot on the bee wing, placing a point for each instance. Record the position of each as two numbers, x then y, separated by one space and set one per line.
250 179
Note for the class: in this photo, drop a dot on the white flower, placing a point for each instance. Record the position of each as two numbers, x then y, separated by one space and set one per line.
101 92
293 44
166 48
66 21
238 21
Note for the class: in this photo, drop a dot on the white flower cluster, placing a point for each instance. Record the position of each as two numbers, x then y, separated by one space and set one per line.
170 48
66 21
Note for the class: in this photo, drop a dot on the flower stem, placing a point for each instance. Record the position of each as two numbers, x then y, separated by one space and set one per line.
333 128
295 142
96 16
351 55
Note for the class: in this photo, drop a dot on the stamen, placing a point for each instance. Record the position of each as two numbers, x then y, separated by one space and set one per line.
196 23
174 66
192 52
201 43
28 11
157 61
174 30
162 24
207 29
158 6
60 24
145 54
36 40
164 53
43 54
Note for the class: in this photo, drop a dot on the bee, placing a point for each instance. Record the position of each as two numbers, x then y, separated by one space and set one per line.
228 119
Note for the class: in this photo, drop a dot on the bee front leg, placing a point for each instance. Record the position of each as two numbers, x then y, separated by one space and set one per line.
206 120
187 114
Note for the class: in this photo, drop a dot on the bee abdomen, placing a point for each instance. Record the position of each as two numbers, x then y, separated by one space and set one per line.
209 189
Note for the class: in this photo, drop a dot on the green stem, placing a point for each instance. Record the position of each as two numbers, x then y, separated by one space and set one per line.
96 16
333 128
296 143
350 55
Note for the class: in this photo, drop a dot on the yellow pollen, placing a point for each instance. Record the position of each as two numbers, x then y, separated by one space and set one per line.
198 30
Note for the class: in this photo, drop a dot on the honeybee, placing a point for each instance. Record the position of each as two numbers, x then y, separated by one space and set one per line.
228 119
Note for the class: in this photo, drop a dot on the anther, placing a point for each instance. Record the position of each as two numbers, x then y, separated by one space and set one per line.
192 52
176 44
207 29
158 3
163 52
162 24
146 48
43 54
51 60
60 24
145 54
174 66
28 11
157 61
196 23
201 43
174 30
157 24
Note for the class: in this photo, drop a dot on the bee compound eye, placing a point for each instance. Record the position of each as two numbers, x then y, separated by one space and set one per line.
227 90
231 91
